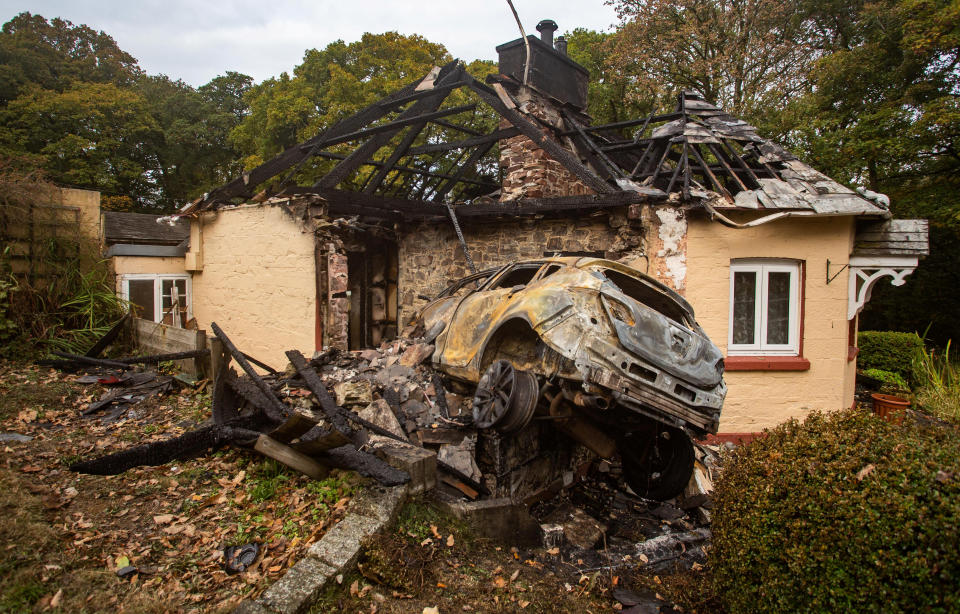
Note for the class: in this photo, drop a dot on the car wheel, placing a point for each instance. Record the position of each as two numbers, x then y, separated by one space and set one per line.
506 398
658 465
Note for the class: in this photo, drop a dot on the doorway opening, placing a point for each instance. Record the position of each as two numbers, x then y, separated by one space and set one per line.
372 274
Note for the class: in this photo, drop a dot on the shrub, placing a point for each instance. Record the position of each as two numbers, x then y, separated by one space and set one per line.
840 513
889 351
889 378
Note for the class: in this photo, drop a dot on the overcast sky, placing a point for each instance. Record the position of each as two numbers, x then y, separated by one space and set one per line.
196 40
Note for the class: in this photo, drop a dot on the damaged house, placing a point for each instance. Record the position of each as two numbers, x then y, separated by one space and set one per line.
403 199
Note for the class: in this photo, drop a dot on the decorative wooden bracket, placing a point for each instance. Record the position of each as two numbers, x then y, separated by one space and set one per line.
866 271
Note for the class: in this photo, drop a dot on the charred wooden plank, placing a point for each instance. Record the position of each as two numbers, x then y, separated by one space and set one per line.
273 407
457 127
348 457
188 445
108 337
260 364
334 413
399 152
394 126
610 166
98 362
406 169
319 439
469 165
134 360
290 457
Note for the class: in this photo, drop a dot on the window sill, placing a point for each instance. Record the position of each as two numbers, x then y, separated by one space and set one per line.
766 363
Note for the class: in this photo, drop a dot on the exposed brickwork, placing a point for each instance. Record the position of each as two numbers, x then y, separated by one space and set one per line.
432 257
529 172
666 235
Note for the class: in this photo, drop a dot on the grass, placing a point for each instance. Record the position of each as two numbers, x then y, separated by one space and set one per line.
938 384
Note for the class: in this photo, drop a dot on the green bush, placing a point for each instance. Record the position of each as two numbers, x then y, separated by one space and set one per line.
889 351
840 513
888 377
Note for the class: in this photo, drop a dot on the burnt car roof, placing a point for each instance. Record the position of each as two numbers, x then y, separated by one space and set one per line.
584 262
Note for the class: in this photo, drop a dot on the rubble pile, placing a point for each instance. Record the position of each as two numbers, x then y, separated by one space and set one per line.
602 525
387 414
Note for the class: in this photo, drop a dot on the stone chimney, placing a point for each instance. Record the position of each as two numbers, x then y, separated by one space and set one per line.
554 83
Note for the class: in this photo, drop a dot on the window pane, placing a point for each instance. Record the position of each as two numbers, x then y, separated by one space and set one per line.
778 308
141 297
744 307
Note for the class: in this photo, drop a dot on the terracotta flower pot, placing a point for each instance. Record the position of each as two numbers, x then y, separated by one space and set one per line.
889 407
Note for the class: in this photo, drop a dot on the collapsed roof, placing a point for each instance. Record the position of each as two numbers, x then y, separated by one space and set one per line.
410 156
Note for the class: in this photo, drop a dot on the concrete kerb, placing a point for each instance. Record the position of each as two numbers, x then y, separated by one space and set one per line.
371 511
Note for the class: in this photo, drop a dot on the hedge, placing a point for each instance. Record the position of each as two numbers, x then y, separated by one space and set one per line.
840 513
888 351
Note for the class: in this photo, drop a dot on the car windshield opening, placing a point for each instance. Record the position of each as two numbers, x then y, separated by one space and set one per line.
649 296
519 276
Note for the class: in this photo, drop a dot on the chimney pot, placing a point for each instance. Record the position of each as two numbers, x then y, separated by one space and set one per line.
546 28
560 45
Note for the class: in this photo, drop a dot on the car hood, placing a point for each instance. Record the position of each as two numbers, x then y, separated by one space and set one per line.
680 351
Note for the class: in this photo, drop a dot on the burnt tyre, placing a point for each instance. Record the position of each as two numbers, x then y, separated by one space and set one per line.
657 464
506 398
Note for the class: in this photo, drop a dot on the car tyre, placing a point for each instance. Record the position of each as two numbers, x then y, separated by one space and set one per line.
658 465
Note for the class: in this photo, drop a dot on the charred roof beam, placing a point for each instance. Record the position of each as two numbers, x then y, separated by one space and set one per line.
545 142
382 135
290 157
395 125
400 168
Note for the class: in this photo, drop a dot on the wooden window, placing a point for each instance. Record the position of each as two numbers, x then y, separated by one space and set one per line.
152 297
764 308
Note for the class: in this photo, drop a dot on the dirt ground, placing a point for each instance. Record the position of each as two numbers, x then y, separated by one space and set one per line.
64 536
431 560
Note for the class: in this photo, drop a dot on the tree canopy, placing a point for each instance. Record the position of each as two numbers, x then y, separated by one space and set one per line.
864 91
75 105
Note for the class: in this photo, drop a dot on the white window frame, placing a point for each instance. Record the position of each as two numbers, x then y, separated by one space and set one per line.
158 279
760 347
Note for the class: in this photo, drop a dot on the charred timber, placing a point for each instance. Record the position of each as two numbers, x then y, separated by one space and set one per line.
274 408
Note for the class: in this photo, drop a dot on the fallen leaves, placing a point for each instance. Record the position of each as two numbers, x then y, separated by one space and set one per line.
863 473
174 528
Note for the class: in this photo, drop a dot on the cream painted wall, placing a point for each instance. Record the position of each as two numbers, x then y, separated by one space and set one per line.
760 399
257 281
88 201
125 265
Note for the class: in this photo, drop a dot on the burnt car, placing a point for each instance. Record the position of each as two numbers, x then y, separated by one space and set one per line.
614 358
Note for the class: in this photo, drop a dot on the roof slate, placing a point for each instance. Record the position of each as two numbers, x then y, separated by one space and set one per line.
143 229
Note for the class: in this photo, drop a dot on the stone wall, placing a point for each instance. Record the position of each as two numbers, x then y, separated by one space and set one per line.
431 257
529 172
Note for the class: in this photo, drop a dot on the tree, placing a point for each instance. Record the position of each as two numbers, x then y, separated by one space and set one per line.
883 112
189 152
91 135
330 85
746 56
612 95
54 54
